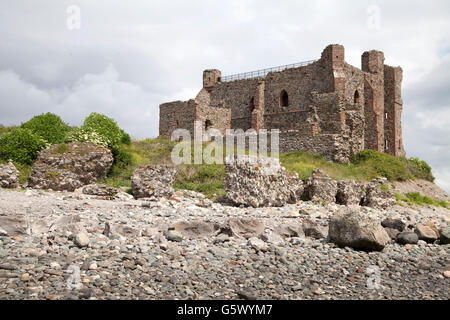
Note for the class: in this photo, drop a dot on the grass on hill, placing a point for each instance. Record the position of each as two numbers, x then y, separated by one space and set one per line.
421 200
207 178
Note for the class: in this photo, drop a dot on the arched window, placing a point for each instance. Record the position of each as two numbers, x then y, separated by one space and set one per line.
356 97
208 124
284 99
251 106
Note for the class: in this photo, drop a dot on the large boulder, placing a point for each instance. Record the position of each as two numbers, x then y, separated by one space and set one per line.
245 227
9 175
153 181
260 181
407 237
349 192
195 229
312 229
426 233
357 230
320 188
376 197
445 235
70 166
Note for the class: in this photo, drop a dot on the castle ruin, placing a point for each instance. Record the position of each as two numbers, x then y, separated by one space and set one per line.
326 106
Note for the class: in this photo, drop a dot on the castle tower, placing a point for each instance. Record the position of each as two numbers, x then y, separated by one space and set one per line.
210 78
333 57
393 106
372 62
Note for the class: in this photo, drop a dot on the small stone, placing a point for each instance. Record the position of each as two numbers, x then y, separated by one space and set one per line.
246 295
447 273
393 224
81 240
318 292
25 277
221 238
150 232
257 244
107 230
93 266
173 235
3 253
3 232
393 233
129 264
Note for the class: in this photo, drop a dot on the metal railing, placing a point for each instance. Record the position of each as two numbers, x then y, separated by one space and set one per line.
263 72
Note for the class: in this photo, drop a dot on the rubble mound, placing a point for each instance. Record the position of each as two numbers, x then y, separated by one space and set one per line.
260 182
153 181
70 166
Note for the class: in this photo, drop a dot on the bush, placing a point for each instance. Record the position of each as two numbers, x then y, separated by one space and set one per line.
126 139
122 158
48 126
21 145
391 167
420 169
4 129
106 127
83 135
101 130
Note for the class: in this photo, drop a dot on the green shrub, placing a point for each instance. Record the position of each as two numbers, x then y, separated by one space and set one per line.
106 127
122 158
126 139
418 198
48 126
21 145
420 169
391 167
4 129
83 135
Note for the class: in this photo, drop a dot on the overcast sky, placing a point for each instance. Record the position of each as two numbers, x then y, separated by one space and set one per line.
127 57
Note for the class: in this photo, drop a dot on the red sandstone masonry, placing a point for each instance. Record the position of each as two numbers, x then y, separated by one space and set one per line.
331 107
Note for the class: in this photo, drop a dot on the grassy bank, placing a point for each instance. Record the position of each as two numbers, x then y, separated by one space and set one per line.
207 178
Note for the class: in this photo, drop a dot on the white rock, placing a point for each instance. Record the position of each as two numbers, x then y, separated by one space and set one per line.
81 240
257 244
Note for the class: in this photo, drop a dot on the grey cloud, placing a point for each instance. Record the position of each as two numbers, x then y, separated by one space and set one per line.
128 57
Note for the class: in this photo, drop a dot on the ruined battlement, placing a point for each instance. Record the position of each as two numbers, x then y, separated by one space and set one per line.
325 106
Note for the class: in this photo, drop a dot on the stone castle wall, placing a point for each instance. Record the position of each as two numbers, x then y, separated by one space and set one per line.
327 107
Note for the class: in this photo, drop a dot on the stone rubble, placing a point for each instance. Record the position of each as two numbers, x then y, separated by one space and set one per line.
349 192
150 252
153 181
375 197
9 176
260 181
80 164
320 188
